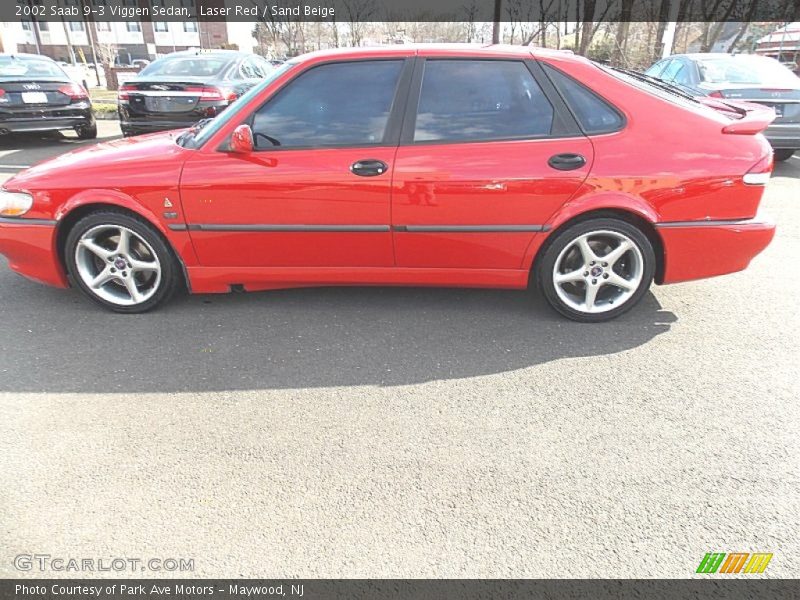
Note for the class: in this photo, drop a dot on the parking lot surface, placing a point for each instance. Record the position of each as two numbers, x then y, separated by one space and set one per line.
382 432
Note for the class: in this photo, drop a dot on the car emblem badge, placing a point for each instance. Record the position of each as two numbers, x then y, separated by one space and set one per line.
32 86
167 203
119 263
597 271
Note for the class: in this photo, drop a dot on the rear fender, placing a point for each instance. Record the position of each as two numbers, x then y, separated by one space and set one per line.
580 205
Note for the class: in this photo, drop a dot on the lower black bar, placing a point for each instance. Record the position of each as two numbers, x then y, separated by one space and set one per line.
715 587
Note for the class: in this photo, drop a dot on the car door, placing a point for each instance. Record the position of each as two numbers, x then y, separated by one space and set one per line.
486 157
316 190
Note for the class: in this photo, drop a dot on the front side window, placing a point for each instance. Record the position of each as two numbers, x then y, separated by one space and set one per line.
479 100
593 113
340 104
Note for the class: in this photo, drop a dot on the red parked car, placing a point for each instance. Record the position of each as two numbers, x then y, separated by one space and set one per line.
414 165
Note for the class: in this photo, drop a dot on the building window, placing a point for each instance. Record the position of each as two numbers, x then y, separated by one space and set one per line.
44 26
161 26
26 24
76 26
103 25
134 26
190 27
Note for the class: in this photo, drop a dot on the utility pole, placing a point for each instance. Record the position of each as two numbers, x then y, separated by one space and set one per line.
669 32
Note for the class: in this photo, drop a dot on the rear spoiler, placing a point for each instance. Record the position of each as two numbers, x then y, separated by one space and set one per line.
751 118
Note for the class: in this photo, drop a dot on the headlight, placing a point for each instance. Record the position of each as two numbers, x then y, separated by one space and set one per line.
14 204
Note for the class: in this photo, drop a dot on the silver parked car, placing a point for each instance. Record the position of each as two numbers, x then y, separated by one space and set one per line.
744 77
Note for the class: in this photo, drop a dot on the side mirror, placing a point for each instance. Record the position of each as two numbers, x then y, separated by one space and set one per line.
242 140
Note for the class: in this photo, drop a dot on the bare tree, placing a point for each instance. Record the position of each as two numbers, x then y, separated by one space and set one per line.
526 18
357 13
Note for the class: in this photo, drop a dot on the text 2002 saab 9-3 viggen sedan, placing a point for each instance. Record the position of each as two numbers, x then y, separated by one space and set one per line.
414 165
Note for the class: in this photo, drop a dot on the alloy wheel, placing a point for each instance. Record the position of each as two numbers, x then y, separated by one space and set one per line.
598 271
118 265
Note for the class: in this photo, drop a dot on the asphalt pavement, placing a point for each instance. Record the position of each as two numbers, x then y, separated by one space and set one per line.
390 432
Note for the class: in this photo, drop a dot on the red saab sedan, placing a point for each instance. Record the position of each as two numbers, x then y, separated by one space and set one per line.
413 165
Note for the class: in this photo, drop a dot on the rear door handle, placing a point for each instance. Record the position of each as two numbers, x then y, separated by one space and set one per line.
368 167
567 161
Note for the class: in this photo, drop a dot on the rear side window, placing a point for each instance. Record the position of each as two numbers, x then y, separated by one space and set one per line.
594 114
479 100
338 104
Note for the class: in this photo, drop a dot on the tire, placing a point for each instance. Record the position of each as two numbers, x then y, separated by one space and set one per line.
586 289
782 154
87 132
131 277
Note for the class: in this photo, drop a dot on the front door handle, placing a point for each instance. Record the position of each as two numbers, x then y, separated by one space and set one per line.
567 161
368 167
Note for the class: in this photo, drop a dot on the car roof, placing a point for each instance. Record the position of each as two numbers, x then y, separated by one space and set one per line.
231 54
24 56
400 50
702 55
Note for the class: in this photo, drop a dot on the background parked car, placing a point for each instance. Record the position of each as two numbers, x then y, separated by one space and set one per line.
37 95
745 77
184 87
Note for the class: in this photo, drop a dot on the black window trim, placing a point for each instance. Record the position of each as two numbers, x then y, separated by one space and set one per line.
564 123
611 105
391 134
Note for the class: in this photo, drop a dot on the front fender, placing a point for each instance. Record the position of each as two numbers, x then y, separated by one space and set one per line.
110 197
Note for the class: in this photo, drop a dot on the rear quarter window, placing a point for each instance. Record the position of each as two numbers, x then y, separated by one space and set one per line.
594 114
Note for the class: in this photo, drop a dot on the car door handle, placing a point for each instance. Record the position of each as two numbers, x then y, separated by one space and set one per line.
566 161
368 167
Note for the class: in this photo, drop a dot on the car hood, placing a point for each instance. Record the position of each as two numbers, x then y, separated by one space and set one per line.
94 164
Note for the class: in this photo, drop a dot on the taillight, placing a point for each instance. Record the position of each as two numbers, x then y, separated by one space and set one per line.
74 91
760 172
123 92
212 94
716 94
2 92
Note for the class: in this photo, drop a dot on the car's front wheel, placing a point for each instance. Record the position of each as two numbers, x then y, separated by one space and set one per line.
782 154
596 269
120 262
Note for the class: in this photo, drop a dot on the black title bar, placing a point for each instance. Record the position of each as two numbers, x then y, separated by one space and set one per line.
351 11
713 588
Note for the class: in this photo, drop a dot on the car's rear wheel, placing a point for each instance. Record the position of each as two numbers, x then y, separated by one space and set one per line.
596 269
87 132
120 262
782 154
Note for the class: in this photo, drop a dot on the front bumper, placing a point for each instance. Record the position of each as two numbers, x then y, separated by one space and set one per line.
699 249
30 247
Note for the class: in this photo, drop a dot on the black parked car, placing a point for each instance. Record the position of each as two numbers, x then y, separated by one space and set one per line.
37 95
184 87
744 77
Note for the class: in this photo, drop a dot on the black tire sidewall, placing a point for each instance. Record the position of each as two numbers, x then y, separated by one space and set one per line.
169 266
87 132
544 274
781 154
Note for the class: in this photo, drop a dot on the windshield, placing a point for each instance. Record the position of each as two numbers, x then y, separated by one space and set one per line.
28 68
758 70
199 136
186 66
